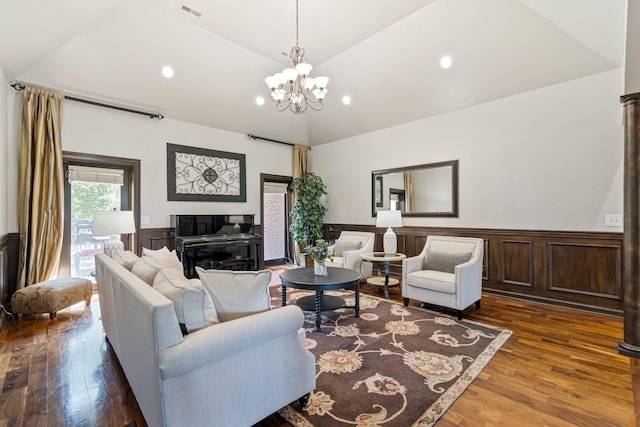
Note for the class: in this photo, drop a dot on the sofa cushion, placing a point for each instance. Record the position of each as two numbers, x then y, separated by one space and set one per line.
444 261
192 303
433 280
237 293
341 247
126 259
147 267
163 255
156 253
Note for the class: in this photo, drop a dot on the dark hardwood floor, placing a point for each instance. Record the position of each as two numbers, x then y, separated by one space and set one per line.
559 368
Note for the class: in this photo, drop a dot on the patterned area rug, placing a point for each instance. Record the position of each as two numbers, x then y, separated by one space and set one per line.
393 366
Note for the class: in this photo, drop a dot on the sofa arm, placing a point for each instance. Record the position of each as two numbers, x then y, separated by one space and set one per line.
331 250
352 259
469 272
411 264
226 339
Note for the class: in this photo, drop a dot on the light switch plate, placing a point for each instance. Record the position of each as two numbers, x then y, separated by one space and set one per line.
145 220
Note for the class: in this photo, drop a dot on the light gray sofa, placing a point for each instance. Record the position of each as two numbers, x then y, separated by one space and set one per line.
233 373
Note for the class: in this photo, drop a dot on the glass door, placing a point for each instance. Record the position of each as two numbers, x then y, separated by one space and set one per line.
86 198
94 183
275 220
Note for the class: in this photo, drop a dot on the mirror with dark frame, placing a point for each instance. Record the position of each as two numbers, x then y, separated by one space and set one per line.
429 190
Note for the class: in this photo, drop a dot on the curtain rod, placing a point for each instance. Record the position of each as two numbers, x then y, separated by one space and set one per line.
21 86
272 140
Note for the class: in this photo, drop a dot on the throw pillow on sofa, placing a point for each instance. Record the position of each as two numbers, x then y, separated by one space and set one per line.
192 303
156 253
126 259
444 261
147 267
163 255
237 294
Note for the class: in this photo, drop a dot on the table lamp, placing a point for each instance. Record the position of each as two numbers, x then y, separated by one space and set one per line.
389 219
113 224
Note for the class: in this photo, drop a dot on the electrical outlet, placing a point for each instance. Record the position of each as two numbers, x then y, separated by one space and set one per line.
612 220
145 220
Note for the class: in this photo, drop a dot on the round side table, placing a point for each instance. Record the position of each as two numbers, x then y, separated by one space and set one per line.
385 281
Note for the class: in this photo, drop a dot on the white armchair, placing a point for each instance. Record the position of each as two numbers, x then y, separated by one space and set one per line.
447 273
345 252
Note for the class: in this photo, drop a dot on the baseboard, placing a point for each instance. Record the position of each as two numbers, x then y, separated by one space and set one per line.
585 308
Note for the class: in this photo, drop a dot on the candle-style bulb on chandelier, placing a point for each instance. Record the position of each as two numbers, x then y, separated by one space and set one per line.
293 88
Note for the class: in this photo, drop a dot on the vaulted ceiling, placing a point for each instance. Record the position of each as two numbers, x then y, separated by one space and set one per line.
384 54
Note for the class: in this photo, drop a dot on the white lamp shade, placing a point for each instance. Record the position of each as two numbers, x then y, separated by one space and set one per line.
321 81
272 81
304 68
297 99
280 77
278 94
290 74
308 82
389 219
113 222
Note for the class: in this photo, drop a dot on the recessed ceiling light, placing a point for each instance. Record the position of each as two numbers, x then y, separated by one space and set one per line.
259 100
167 71
346 100
445 61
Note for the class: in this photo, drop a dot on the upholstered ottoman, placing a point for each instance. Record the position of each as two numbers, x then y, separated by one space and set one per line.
51 296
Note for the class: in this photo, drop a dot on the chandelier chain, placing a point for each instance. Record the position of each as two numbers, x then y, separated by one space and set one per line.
297 43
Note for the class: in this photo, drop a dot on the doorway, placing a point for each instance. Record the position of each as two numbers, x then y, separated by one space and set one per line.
94 183
275 205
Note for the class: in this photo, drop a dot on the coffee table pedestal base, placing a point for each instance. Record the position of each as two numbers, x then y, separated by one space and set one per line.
317 303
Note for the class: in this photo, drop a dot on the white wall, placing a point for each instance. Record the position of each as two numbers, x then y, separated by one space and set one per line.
632 51
96 130
549 159
3 153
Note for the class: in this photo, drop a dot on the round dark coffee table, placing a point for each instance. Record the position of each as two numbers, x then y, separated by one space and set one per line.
337 278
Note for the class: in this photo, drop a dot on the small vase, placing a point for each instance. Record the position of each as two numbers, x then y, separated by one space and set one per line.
302 259
319 269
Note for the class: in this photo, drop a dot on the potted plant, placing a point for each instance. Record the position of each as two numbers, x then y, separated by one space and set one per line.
307 214
319 252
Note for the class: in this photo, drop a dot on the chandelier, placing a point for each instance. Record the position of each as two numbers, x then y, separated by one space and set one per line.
293 88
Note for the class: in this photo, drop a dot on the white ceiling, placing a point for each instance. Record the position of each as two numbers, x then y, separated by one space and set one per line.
382 53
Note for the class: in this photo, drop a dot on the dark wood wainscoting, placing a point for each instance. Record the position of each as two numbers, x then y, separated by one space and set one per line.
8 270
8 265
580 270
156 238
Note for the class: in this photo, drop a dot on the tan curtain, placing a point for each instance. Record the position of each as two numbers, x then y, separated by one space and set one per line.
300 160
408 192
40 197
300 166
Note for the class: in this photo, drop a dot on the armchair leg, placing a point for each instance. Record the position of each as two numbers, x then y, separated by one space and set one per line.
459 314
304 400
477 304
406 302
